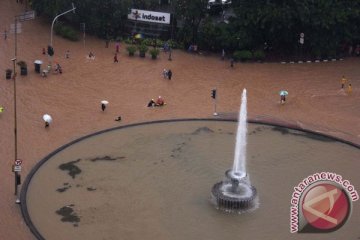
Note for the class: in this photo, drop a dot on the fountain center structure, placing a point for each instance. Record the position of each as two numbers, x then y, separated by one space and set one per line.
235 193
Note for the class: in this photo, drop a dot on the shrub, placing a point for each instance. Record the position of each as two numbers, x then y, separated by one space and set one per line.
70 33
128 41
173 44
147 41
151 41
259 55
332 53
142 50
316 53
159 43
154 53
66 32
242 55
131 50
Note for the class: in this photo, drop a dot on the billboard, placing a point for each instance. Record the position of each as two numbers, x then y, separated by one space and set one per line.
148 16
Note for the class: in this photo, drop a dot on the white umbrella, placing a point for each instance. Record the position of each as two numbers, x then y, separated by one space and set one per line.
47 118
283 93
104 102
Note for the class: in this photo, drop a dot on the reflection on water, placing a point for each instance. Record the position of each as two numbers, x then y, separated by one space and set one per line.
154 181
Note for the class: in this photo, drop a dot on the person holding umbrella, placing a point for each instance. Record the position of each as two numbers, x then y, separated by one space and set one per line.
283 95
48 119
103 104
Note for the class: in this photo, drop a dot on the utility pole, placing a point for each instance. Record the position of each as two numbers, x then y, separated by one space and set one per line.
19 18
50 48
56 17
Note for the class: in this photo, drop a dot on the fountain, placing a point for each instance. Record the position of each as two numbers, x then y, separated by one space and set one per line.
235 193
108 168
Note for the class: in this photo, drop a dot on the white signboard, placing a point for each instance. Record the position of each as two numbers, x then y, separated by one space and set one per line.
17 168
26 16
148 16
18 28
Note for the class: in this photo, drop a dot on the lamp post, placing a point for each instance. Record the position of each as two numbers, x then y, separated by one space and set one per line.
56 17
15 117
21 18
17 175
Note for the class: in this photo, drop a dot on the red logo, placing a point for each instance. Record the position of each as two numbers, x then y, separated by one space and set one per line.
325 207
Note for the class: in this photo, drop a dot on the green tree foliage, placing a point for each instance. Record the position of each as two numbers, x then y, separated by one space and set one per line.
191 13
145 4
103 18
327 24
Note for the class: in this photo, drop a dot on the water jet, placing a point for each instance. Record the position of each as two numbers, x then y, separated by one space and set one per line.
235 193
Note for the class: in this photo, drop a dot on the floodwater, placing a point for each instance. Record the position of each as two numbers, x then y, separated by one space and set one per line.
142 182
73 98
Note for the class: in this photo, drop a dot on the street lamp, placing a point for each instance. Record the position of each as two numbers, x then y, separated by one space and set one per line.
19 18
56 17
17 175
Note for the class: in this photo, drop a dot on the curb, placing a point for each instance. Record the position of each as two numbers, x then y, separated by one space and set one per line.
313 61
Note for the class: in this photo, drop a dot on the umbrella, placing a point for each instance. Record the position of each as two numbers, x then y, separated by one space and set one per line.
1 109
138 36
283 93
104 102
47 118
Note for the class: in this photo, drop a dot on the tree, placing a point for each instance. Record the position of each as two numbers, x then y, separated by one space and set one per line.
102 18
190 13
326 23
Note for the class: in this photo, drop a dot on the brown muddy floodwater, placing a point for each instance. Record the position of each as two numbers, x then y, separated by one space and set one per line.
153 181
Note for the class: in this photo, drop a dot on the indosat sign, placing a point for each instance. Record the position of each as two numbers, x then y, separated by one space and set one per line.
147 16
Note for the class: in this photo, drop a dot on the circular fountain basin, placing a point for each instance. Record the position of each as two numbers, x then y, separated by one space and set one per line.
152 181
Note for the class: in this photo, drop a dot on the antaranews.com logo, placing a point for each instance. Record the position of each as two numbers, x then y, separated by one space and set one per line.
321 203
